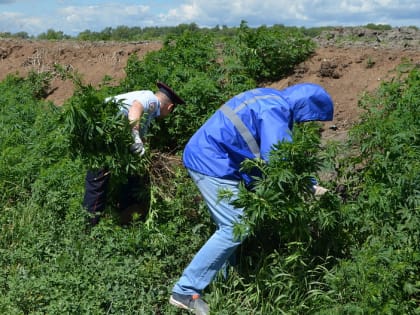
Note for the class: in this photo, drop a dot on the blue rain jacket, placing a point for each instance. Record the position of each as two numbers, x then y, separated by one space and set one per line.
217 148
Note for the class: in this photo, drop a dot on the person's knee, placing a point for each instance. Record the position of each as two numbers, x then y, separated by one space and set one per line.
229 235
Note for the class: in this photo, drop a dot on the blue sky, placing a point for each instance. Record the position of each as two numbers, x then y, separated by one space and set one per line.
72 17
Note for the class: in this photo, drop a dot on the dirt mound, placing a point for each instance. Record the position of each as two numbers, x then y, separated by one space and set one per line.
352 61
347 73
348 62
93 60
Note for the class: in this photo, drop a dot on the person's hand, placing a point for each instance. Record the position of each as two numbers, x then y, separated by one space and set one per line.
319 190
138 148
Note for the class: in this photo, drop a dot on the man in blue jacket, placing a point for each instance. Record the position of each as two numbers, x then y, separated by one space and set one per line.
246 127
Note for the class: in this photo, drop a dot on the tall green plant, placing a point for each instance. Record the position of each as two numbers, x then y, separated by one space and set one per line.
269 54
98 132
25 121
383 210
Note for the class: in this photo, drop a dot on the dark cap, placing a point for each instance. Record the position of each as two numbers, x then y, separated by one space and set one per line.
169 93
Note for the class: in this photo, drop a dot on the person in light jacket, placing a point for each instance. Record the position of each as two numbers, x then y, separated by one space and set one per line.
141 108
245 127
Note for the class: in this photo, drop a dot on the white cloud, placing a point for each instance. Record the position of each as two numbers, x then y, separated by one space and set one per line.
96 18
108 12
255 12
16 22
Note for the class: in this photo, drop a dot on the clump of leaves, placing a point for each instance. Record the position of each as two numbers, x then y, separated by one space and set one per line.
29 127
98 132
283 194
270 53
40 83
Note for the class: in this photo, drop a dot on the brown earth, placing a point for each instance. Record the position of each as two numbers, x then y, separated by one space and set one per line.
347 73
345 69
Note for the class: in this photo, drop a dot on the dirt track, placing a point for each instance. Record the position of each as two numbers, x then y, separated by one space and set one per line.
346 70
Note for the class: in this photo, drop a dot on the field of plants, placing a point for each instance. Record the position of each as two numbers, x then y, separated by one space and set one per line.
355 250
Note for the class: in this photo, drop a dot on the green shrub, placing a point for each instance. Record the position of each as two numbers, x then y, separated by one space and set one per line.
379 27
29 137
381 276
269 54
98 132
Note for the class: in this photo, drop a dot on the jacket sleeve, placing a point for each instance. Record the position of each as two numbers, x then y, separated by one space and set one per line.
274 126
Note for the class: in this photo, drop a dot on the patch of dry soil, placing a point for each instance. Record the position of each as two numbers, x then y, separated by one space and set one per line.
348 73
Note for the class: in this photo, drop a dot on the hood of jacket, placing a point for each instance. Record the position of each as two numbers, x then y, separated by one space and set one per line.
309 102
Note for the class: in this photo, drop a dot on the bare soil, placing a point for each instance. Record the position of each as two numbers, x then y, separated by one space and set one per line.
348 73
346 69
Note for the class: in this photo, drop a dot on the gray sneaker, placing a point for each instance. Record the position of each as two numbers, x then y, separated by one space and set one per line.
192 303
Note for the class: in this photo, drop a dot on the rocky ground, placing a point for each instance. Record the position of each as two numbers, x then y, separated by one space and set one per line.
348 62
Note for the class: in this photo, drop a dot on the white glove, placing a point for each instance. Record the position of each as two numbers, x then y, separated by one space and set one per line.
319 190
137 147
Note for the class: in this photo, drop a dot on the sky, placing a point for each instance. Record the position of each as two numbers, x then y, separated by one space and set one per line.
75 16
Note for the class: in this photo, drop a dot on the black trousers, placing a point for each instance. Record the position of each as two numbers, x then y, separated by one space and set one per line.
96 187
96 192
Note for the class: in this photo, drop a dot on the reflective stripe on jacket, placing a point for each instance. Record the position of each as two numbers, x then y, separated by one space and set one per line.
218 147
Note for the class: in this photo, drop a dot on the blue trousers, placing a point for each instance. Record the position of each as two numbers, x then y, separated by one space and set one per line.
221 245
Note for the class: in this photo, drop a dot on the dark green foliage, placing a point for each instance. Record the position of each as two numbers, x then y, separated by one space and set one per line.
64 268
382 275
51 34
389 145
180 57
379 27
24 121
125 33
23 35
271 53
98 132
